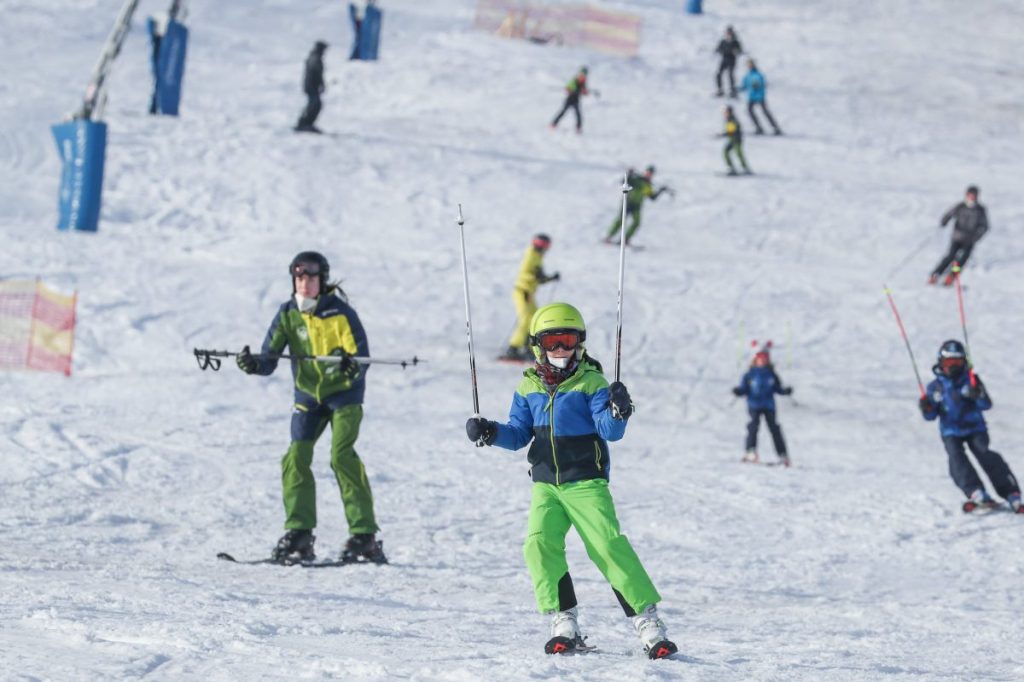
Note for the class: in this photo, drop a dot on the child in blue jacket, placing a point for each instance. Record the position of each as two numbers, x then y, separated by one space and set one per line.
755 85
760 384
958 401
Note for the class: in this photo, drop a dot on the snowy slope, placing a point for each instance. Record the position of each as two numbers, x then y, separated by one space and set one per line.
121 484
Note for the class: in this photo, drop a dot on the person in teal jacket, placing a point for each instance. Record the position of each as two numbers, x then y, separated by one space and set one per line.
567 412
318 320
754 84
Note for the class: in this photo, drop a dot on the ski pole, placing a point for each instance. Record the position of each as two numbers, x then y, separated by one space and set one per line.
963 322
208 359
916 250
622 269
906 341
469 318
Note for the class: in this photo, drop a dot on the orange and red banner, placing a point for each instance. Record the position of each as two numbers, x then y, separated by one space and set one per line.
616 33
37 327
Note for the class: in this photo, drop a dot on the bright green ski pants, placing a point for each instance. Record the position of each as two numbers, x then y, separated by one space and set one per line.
633 216
588 506
299 488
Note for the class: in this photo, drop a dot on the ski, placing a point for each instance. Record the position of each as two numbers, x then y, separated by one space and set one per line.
635 247
662 649
330 563
565 646
983 508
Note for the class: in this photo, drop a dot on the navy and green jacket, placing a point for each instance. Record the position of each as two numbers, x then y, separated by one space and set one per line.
332 324
570 426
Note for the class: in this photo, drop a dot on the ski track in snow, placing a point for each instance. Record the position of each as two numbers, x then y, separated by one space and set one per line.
121 484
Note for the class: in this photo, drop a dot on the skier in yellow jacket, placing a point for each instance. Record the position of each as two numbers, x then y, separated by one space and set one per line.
531 275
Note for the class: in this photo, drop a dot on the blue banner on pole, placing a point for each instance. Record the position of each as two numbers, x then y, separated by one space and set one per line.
168 63
368 32
82 146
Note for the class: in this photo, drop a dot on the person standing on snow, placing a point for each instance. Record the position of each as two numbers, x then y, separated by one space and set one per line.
313 85
729 48
759 385
575 89
957 399
566 410
317 320
970 223
524 295
642 188
755 85
734 136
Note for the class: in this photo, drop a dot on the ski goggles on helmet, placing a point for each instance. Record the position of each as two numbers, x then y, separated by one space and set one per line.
306 269
948 364
566 340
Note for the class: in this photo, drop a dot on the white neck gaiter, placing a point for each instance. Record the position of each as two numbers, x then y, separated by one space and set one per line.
306 305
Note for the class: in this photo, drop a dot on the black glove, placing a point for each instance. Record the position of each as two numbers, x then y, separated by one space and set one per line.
736 391
975 391
786 390
926 405
555 277
481 431
347 368
619 401
245 361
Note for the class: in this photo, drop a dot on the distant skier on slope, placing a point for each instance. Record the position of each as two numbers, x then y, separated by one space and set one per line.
759 385
642 189
729 49
734 141
957 400
970 223
317 320
574 90
755 85
524 295
313 85
566 411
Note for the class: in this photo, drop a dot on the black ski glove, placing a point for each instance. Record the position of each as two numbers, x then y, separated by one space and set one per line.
348 368
736 391
245 361
926 405
787 390
481 431
975 392
619 401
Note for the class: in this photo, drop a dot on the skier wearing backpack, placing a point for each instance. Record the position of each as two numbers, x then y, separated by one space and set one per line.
574 89
970 223
759 385
642 188
567 412
957 398
317 320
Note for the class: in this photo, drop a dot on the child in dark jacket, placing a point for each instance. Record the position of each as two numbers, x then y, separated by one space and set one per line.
566 411
957 398
760 384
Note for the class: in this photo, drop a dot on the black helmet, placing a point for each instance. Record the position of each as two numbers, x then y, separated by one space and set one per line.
973 189
310 263
952 358
319 46
650 169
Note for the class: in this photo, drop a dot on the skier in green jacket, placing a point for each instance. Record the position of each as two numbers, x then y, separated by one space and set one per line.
317 320
642 188
567 412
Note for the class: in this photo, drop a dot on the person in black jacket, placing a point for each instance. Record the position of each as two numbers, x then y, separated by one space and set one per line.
729 48
313 86
970 225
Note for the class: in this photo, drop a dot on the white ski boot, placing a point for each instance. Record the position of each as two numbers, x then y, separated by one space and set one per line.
652 633
565 634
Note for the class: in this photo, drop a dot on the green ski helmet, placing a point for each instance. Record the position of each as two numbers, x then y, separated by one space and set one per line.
556 317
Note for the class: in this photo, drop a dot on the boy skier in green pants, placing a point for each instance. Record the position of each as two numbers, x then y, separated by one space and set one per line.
642 188
565 406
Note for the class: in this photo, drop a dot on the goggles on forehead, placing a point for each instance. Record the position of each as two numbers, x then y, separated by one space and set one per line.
554 340
307 269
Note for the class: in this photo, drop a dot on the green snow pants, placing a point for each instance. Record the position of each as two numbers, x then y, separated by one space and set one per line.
733 146
633 215
297 483
588 506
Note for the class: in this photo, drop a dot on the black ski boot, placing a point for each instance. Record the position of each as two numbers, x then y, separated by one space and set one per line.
295 546
363 548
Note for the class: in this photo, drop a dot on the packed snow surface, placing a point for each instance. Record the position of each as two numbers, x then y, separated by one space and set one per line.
120 484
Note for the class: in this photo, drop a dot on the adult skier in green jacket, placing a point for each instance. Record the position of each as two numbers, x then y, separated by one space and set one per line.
318 320
642 188
567 412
